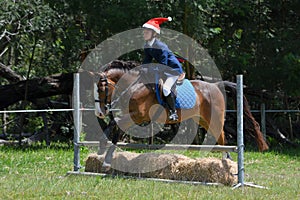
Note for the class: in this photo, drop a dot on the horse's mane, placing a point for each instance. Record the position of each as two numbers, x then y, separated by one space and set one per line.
121 65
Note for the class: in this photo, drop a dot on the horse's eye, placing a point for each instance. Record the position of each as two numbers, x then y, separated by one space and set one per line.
101 89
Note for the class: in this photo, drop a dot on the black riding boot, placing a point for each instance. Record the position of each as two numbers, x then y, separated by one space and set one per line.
170 99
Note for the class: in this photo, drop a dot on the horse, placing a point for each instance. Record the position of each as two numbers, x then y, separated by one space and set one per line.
142 105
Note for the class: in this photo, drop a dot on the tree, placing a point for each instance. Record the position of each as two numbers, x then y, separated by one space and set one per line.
259 39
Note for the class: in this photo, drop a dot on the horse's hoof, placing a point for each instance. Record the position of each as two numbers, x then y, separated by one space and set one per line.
226 155
229 157
105 167
101 151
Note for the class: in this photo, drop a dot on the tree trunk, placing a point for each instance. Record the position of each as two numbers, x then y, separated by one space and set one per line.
37 88
9 74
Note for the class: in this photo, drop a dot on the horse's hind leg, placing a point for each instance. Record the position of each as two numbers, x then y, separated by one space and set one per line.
214 126
216 129
221 141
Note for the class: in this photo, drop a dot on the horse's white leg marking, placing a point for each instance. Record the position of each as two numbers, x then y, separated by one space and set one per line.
98 111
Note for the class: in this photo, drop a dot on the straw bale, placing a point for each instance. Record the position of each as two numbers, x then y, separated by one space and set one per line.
167 166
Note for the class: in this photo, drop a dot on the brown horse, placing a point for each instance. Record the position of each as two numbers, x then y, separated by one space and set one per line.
139 104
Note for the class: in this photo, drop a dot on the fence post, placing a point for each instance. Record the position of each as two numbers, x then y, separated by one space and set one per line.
76 117
240 134
263 119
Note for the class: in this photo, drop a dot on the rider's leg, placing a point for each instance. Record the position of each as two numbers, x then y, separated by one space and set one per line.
170 97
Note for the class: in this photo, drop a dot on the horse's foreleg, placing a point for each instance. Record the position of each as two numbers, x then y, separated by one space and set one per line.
104 137
102 144
108 158
114 126
112 148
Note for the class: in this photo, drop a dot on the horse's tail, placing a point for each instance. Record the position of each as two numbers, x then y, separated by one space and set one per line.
252 124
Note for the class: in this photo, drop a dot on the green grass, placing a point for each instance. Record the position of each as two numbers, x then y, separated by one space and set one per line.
39 172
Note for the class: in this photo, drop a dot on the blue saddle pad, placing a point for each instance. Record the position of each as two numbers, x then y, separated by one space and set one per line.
186 96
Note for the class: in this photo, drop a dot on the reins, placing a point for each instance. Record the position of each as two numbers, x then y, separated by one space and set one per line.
124 92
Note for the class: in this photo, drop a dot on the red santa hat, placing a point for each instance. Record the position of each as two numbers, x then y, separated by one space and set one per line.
155 22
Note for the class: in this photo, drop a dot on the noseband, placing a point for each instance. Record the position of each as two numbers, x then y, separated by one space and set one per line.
107 104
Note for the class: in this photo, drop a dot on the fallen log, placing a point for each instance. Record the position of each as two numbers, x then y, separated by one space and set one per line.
36 88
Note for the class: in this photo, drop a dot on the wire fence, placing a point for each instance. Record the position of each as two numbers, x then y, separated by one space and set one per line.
92 109
261 111
77 123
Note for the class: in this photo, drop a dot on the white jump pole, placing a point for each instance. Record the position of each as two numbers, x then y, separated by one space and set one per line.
76 116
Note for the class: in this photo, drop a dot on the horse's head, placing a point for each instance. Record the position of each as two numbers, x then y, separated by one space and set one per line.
103 90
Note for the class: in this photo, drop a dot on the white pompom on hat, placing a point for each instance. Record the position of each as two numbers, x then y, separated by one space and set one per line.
155 22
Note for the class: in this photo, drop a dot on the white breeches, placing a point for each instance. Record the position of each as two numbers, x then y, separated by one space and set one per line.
169 83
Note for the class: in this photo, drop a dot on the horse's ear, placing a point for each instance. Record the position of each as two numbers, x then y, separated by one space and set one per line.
94 75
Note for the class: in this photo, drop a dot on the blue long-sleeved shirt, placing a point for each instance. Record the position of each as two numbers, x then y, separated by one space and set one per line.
163 55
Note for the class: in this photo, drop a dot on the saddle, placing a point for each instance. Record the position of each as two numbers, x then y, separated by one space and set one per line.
184 92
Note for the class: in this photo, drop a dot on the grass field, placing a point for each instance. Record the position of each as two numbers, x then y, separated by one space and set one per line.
39 172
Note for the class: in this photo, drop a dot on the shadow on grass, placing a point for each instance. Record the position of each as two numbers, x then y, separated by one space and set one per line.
279 148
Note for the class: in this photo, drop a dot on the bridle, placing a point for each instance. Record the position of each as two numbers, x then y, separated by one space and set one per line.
109 104
107 82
